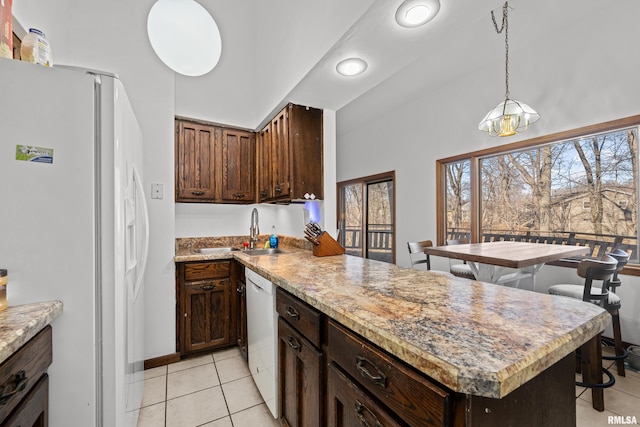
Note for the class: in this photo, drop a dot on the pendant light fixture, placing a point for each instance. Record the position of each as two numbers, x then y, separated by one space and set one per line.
510 116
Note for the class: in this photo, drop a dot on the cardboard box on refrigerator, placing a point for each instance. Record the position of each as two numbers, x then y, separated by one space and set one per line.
6 29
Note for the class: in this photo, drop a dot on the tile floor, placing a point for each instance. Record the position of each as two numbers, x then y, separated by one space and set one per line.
217 390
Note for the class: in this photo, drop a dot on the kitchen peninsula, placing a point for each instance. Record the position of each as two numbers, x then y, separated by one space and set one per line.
499 352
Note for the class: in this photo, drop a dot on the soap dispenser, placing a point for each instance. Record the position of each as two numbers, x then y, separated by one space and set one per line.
273 239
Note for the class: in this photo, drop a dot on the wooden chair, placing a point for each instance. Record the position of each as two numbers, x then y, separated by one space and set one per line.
417 255
592 269
460 269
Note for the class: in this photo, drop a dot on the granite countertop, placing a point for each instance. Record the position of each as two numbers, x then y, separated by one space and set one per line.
20 323
473 337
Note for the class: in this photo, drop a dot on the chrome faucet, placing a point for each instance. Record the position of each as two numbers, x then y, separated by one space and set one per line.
254 230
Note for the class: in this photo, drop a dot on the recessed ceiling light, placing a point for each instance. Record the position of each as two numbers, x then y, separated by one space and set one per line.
413 13
351 66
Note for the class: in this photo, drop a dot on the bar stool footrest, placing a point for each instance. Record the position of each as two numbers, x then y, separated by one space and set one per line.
609 383
610 344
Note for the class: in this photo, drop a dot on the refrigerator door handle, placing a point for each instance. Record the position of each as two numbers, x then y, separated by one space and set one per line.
145 225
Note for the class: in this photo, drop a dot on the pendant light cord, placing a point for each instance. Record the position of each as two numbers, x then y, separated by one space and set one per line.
505 27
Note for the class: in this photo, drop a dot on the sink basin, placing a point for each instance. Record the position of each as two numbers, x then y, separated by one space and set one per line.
216 250
271 251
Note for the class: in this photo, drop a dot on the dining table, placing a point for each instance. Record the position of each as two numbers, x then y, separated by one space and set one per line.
507 262
503 262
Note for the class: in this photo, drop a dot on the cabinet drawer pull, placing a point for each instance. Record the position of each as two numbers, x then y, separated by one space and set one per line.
239 195
263 193
378 379
239 290
293 343
278 189
20 383
197 193
360 409
293 313
208 287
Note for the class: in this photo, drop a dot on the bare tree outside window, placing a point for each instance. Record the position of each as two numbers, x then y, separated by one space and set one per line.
580 190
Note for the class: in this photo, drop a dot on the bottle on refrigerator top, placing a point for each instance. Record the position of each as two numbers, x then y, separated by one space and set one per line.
3 288
273 239
35 48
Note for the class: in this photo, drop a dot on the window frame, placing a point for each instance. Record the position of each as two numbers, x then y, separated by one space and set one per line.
475 157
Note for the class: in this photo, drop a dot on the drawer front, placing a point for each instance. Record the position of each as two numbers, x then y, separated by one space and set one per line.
349 405
303 317
402 389
206 270
23 369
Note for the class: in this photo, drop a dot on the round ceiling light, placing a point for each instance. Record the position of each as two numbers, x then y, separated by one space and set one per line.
413 13
351 66
184 36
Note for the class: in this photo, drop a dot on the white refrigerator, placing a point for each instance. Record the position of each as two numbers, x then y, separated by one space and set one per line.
74 228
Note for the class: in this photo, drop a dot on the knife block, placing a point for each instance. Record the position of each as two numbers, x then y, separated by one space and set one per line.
327 246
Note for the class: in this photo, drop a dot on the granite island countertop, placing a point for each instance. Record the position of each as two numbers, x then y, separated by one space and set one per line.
473 337
20 323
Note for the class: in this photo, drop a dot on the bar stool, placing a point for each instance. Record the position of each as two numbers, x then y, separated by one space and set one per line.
592 269
416 253
460 269
612 305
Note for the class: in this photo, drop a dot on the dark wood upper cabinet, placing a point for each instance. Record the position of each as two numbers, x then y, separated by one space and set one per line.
220 164
195 161
290 155
214 164
263 164
238 152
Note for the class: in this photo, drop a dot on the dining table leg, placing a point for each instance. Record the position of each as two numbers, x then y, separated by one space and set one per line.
591 365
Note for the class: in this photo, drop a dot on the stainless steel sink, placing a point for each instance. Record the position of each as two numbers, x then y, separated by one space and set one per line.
271 251
216 250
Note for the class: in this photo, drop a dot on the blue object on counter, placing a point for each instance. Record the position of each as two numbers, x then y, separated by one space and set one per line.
273 239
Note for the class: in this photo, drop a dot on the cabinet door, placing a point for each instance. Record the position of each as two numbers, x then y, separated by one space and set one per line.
349 406
263 164
300 378
207 315
305 152
195 174
237 165
280 161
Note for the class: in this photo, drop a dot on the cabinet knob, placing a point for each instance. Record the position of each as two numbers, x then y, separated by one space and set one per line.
293 343
360 411
379 378
278 189
292 312
20 382
263 193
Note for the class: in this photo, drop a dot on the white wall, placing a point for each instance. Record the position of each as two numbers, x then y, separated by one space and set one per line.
580 74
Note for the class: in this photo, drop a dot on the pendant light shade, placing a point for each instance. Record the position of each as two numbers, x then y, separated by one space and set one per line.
507 118
510 116
184 36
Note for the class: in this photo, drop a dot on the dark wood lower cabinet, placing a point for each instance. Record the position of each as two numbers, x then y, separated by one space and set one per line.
350 406
300 378
206 311
24 383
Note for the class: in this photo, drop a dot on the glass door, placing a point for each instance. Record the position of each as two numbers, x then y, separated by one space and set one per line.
366 217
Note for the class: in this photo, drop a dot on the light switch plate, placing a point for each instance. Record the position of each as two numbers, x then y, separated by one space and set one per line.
157 191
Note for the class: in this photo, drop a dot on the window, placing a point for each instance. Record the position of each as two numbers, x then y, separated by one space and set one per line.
578 187
366 212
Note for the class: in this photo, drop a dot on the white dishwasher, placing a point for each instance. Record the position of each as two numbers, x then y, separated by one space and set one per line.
262 338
